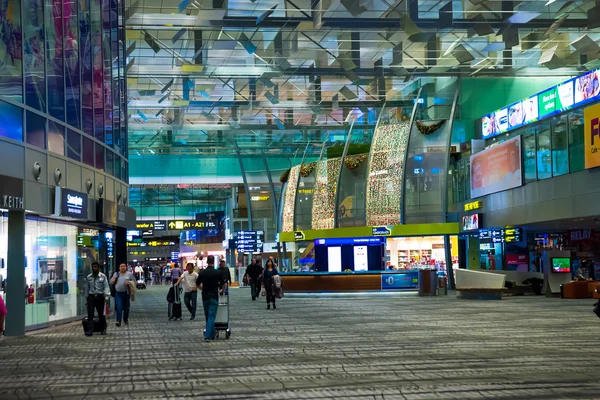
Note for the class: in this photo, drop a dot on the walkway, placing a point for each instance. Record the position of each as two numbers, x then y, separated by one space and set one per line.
372 348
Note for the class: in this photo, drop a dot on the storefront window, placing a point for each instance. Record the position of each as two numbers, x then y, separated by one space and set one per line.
560 155
419 253
576 159
529 156
544 159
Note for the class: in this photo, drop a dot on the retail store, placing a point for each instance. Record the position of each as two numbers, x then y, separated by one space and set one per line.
58 250
420 252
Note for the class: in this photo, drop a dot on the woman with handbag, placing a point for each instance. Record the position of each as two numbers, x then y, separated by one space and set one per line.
269 284
121 280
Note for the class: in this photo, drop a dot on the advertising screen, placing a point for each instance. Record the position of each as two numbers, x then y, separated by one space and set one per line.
470 222
334 259
495 123
531 109
561 265
591 135
496 168
516 114
547 102
587 86
361 259
566 97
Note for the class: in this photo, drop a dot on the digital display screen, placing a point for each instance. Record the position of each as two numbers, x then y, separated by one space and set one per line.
361 260
334 259
497 168
470 222
571 93
561 265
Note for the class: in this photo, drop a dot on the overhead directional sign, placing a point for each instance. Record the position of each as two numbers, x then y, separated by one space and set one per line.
180 225
160 225
381 231
249 241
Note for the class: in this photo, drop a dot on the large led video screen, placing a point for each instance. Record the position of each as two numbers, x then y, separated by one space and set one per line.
496 168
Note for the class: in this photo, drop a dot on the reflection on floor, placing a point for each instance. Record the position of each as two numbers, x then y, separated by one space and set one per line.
402 347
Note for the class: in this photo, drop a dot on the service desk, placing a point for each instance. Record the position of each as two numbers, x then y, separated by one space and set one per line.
350 281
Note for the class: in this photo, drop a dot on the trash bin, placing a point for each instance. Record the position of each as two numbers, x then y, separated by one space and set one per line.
428 283
442 286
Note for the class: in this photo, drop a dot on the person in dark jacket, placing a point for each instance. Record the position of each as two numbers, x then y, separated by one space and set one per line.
268 283
226 273
253 272
210 281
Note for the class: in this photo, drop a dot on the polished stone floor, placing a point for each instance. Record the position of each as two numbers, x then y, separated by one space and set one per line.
373 347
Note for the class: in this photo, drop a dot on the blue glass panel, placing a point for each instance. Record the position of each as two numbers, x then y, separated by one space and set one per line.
73 145
11 50
85 59
35 71
72 75
97 68
99 157
88 151
11 121
56 138
54 58
36 130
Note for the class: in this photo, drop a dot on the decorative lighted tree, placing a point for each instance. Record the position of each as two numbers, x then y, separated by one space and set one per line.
290 200
384 181
324 200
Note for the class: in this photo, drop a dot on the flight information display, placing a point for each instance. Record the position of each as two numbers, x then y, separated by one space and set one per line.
249 241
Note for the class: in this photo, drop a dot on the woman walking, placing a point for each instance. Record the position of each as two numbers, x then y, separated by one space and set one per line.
269 283
121 281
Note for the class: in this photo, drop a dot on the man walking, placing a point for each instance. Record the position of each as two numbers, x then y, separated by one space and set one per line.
253 271
210 281
190 297
97 293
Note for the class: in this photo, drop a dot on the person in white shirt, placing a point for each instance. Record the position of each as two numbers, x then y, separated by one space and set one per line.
190 289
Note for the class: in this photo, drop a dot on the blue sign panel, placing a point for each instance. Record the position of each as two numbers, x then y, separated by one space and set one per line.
353 241
406 280
381 231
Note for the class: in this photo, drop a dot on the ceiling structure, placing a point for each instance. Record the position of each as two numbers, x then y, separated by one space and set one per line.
284 76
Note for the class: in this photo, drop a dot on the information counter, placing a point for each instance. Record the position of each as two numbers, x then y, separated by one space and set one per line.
350 281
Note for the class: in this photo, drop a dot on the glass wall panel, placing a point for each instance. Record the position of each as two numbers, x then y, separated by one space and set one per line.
107 71
36 130
11 121
56 138
72 75
73 145
85 60
88 151
97 68
114 47
11 66
110 164
55 77
99 157
544 157
351 197
117 173
529 156
33 26
304 203
560 153
576 143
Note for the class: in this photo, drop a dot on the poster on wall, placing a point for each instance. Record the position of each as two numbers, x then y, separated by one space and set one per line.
496 168
361 260
591 134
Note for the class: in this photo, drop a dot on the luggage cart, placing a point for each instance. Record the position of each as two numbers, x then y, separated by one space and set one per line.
222 318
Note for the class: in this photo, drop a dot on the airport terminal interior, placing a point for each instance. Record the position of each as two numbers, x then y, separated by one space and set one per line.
299 199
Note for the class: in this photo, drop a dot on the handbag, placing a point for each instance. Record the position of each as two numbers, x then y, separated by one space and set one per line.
113 288
263 293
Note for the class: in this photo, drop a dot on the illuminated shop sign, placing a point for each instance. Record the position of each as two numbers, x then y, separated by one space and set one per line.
381 231
259 198
564 96
591 135
69 203
474 205
299 235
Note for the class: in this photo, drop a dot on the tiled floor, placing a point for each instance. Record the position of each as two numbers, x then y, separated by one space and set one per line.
402 347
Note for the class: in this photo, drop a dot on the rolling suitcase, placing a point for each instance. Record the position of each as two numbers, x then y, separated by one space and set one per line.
98 327
174 299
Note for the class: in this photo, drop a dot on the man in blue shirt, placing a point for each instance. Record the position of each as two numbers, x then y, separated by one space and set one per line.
210 281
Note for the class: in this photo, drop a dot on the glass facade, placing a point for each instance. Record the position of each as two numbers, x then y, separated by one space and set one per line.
58 258
65 59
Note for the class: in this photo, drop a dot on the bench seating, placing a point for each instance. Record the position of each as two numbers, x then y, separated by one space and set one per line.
479 285
480 293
